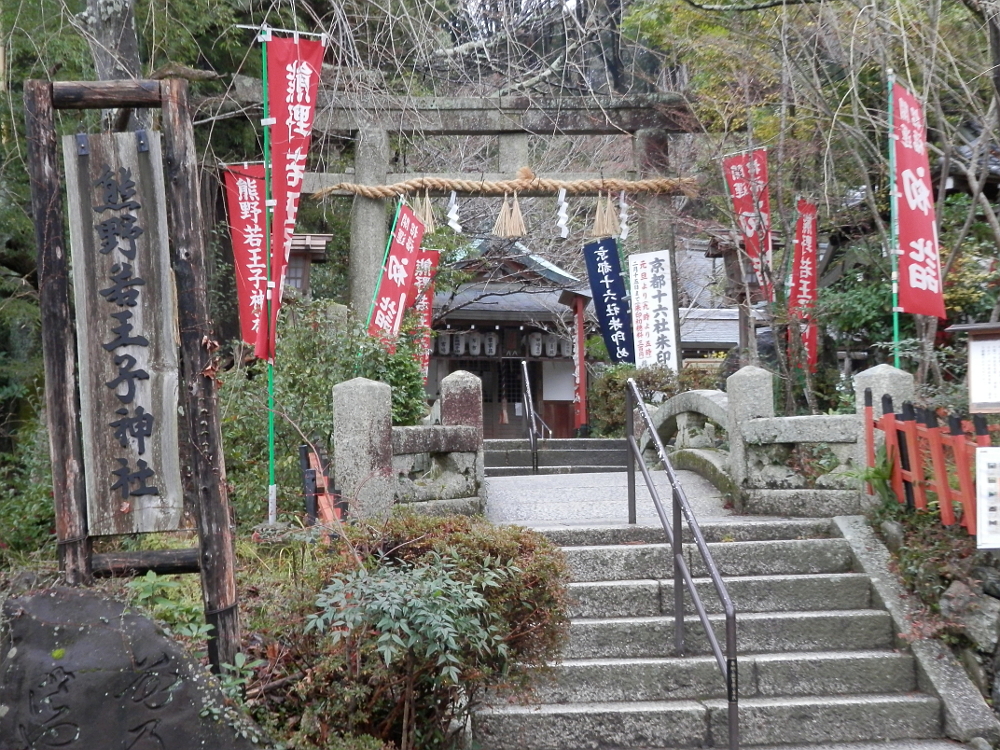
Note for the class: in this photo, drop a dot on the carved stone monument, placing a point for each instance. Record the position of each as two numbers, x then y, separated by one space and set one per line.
79 671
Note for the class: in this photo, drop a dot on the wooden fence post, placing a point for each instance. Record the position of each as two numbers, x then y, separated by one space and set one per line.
62 413
188 255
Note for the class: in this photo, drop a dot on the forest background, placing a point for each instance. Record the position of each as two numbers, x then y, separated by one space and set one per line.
805 79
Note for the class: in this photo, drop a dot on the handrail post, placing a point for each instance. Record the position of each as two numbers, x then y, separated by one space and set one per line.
630 463
683 580
529 408
678 554
732 680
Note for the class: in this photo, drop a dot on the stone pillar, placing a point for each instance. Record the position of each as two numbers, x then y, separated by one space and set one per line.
362 447
751 396
652 159
462 404
883 379
462 400
368 219
513 153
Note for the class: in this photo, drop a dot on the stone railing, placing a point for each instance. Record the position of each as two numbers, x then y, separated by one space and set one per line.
792 466
435 469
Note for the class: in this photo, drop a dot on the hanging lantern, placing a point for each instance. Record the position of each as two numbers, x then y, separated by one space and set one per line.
551 345
444 343
535 344
475 340
492 343
458 345
566 347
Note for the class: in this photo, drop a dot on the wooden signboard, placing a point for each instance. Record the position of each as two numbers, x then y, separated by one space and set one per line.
984 366
654 314
126 324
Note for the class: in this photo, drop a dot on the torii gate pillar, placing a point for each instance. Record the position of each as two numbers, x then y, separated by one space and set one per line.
368 219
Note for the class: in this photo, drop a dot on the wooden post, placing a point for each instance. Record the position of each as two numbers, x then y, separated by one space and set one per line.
202 413
62 414
580 416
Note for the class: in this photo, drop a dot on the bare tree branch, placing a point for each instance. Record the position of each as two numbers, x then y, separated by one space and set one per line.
764 5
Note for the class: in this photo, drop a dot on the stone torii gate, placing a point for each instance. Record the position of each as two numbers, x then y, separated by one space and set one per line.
648 119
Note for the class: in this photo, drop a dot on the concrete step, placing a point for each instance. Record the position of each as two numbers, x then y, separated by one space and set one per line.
653 561
555 443
579 726
763 632
740 529
684 724
749 594
558 457
891 745
698 678
521 471
824 719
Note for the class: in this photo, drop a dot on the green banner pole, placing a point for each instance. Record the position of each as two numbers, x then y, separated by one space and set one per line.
893 226
272 486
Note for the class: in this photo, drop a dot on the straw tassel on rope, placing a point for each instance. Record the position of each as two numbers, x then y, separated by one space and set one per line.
605 225
425 212
503 219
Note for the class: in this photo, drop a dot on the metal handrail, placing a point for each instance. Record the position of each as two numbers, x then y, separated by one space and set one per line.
682 574
533 419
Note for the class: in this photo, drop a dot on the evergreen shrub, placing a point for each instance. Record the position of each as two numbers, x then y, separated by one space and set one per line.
397 631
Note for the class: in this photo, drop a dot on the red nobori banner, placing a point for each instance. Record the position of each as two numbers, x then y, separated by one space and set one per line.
293 70
920 284
423 301
245 204
803 293
746 176
396 284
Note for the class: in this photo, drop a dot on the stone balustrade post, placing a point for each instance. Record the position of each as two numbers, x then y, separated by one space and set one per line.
751 396
462 404
462 400
362 447
883 379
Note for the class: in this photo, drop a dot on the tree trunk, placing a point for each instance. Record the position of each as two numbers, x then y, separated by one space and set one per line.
114 45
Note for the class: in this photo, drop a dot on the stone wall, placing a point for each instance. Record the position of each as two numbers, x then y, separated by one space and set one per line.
434 469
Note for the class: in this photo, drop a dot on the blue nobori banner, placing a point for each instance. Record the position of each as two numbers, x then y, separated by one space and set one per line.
610 301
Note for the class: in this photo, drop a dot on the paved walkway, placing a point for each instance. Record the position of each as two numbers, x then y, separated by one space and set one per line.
592 499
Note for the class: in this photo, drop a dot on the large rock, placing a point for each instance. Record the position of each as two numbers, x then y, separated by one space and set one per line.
976 614
79 671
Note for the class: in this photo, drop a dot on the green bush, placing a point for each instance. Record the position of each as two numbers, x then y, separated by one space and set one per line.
320 345
397 631
606 399
27 514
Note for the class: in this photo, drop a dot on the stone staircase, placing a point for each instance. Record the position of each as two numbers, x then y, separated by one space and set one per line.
505 458
819 665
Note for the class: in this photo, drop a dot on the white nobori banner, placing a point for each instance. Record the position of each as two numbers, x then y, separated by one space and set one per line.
654 314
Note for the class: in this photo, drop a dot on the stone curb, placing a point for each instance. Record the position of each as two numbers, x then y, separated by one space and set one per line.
966 715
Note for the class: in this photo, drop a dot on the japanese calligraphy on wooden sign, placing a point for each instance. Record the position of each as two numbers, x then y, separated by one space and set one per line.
920 289
653 310
395 288
984 374
802 297
126 322
610 301
245 202
423 302
293 70
746 176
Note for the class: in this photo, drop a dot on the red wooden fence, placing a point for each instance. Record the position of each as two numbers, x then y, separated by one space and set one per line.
925 457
